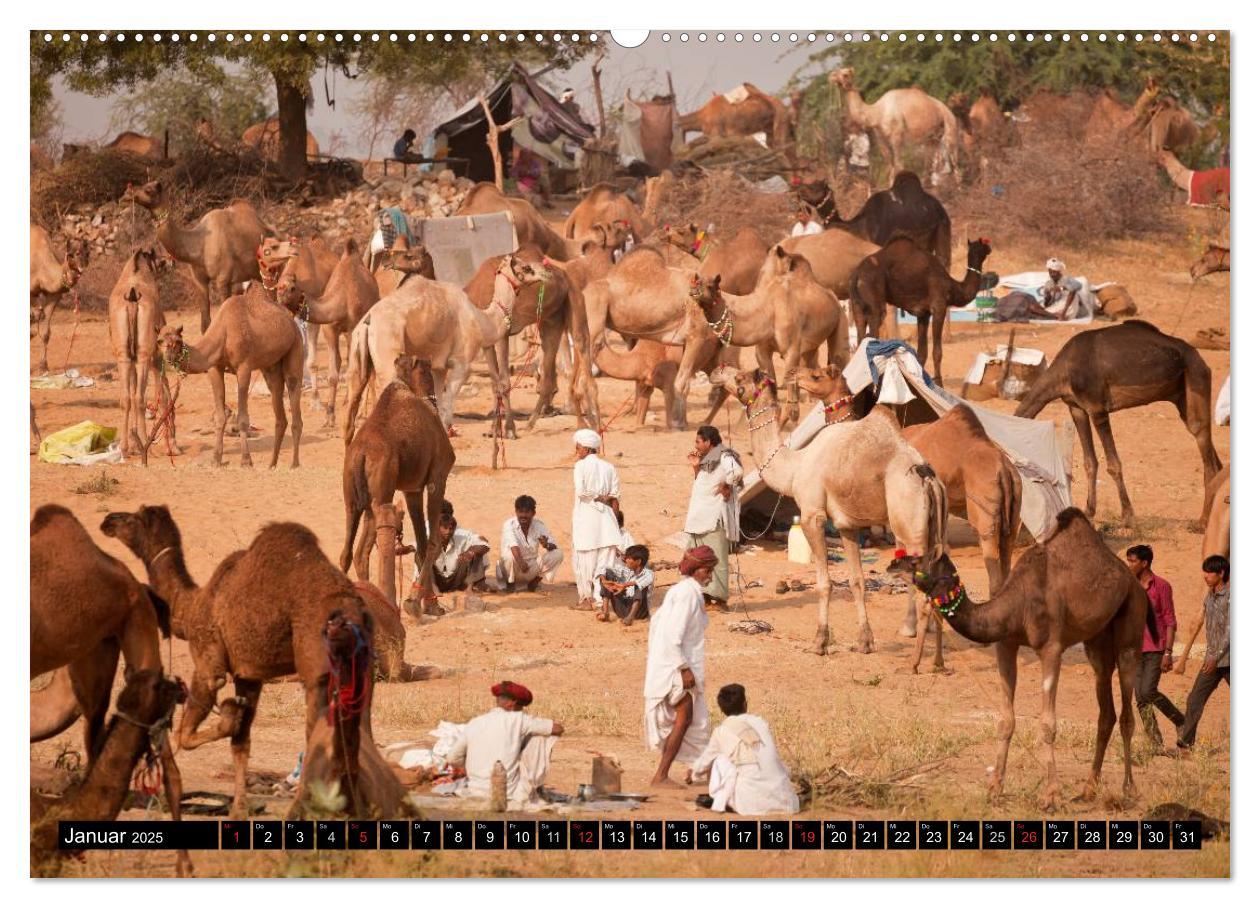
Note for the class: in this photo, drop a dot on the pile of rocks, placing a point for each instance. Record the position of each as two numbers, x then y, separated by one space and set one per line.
108 228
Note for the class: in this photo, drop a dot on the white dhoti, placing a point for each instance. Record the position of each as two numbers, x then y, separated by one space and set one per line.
534 763
659 718
722 778
589 564
544 566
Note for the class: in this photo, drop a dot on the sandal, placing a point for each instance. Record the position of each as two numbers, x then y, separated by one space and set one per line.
782 587
797 586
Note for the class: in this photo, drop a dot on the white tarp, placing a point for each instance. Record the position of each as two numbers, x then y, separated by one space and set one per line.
1040 451
460 244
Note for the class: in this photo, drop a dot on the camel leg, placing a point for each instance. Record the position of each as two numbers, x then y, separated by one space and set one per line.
45 330
813 525
248 691
643 400
386 535
275 384
1126 663
1085 433
363 548
1194 407
938 324
91 679
996 560
423 557
922 349
293 383
581 381
126 379
1102 660
682 381
334 376
1051 663
1008 669
353 515
244 377
220 413
173 785
1102 424
550 337
500 358
202 694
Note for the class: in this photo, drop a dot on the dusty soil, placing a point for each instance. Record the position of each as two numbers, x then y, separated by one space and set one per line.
866 713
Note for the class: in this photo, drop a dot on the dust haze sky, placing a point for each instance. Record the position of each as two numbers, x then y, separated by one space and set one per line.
698 69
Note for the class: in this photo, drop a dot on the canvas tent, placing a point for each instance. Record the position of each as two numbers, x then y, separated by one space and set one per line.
648 132
550 129
1041 451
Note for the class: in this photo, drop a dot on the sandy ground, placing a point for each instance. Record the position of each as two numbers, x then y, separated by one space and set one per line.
866 713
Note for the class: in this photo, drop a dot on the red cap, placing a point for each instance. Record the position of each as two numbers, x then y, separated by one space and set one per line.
518 692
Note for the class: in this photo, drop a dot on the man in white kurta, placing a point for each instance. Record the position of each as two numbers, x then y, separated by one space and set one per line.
507 735
596 535
461 558
675 716
713 513
527 551
746 774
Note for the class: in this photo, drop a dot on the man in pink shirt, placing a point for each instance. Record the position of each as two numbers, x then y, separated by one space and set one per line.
1156 653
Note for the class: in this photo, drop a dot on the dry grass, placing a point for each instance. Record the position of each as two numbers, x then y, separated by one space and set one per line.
728 202
102 484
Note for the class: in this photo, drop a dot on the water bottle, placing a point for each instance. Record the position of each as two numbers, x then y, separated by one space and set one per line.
798 546
498 788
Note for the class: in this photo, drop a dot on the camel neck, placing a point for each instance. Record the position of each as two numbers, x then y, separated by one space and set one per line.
964 291
170 579
775 461
103 792
858 109
982 622
751 317
183 245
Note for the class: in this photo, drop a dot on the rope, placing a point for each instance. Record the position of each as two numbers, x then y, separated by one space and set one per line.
616 414
74 295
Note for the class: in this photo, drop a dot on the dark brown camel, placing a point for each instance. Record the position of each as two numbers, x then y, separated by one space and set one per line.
904 276
906 209
1116 368
402 446
261 616
1069 589
1215 259
142 715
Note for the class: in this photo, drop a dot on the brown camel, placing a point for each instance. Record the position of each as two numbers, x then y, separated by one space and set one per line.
220 250
143 715
402 446
264 138
347 296
737 262
1171 127
127 142
982 123
524 289
135 318
261 616
904 276
755 112
901 120
1216 258
1069 589
1110 120
397 264
788 313
249 333
907 209
1116 368
51 277
531 229
856 474
833 255
603 204
1215 542
982 484
652 365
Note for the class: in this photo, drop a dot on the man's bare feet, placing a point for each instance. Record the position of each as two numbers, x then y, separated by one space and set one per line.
534 585
665 782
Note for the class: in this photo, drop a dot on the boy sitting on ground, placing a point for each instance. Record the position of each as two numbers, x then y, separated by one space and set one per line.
627 587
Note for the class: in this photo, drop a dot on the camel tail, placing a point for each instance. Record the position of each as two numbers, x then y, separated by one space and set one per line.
359 373
838 343
938 511
133 310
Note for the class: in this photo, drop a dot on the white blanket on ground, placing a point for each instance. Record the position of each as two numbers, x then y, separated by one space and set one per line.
1031 282
1220 413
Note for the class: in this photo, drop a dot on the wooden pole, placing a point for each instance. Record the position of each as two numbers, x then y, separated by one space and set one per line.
599 93
493 132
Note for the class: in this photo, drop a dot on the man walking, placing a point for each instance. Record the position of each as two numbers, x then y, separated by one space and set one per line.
1156 652
713 514
596 535
1216 660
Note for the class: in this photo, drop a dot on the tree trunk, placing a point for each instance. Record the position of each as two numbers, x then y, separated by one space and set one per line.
291 111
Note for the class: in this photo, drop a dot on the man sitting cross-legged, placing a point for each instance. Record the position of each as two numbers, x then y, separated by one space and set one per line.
507 735
520 558
627 586
461 559
745 772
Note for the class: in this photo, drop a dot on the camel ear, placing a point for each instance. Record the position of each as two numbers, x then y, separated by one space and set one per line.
834 371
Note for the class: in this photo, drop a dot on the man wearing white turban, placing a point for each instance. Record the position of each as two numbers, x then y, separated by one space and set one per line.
596 535
1060 296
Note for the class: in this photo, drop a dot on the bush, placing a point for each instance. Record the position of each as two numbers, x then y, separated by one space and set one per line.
728 202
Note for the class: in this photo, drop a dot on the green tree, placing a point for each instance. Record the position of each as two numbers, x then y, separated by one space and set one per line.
176 102
102 67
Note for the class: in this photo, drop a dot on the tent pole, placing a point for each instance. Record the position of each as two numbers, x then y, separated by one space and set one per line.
493 132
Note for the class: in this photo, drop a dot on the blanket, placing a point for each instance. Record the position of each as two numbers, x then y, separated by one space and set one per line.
1210 187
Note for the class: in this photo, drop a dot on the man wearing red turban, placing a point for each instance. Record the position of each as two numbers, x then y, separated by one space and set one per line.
507 735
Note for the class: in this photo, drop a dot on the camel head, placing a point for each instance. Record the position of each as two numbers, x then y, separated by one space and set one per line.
77 254
934 580
746 387
410 260
826 383
148 532
842 77
171 345
149 696
274 253
150 195
612 234
684 237
1216 258
813 192
417 373
707 292
521 272
977 252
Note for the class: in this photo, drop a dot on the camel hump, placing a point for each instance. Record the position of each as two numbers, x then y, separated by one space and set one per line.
1067 517
1140 323
286 538
49 513
966 420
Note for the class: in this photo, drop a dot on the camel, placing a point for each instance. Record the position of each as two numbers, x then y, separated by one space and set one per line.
220 250
264 138
1213 184
1215 542
531 229
982 485
135 318
833 255
981 123
907 209
1116 368
402 446
737 262
127 142
902 119
524 289
755 112
1109 119
395 265
1216 258
1171 127
143 713
261 616
249 333
347 295
429 319
856 474
604 204
788 313
652 365
904 276
1069 589
51 277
